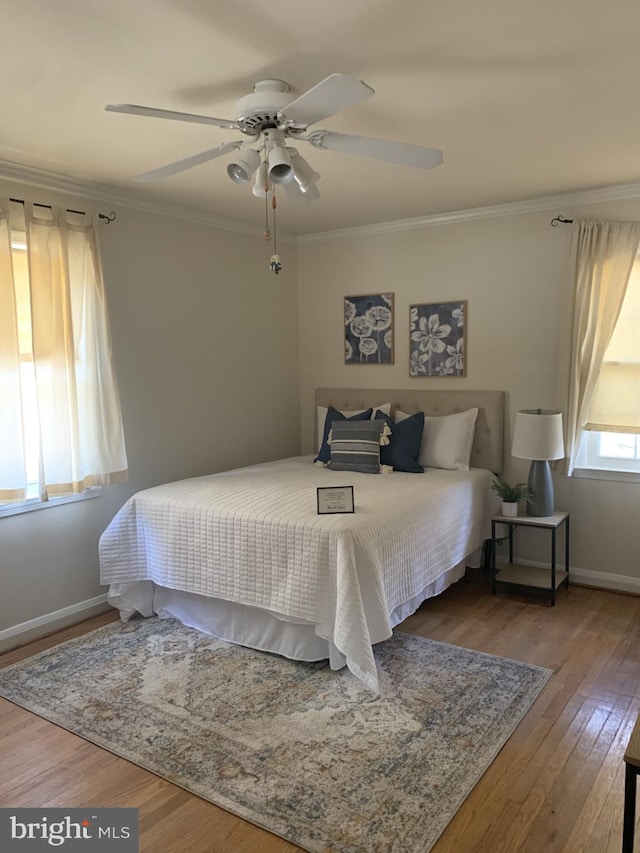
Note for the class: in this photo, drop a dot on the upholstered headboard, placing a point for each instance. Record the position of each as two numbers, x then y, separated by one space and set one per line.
488 439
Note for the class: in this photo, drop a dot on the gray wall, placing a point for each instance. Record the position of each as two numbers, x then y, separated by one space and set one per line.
205 346
514 273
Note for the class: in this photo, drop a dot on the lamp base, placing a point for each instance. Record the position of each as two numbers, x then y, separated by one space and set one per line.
541 486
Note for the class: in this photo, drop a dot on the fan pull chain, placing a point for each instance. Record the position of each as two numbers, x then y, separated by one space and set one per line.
276 263
267 233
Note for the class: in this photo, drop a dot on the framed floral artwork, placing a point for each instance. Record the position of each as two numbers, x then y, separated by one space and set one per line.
437 339
368 329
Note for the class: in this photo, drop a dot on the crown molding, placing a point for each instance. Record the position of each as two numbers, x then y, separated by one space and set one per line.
104 193
58 182
535 205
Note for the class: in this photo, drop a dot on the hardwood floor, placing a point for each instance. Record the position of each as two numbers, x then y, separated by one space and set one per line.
556 787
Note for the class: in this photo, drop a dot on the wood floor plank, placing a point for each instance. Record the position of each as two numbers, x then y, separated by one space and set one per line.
557 785
605 781
571 787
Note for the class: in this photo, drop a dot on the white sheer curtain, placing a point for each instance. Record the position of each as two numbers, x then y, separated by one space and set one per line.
603 255
615 406
61 359
12 459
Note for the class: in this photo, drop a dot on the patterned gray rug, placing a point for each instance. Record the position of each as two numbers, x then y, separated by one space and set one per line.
304 752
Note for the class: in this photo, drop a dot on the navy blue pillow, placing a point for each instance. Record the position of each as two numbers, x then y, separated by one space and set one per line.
334 415
403 450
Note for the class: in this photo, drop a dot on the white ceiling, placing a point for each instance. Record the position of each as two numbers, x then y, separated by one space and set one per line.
527 98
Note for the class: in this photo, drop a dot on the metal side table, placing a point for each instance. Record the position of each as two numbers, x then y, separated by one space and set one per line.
531 576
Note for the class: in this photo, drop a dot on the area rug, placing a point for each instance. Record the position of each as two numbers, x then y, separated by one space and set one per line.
309 754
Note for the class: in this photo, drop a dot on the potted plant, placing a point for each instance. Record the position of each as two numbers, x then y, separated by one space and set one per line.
511 495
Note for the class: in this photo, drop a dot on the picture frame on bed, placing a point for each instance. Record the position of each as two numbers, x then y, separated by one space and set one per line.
437 333
335 499
368 329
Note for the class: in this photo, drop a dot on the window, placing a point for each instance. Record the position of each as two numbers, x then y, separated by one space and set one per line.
27 368
610 451
615 407
61 432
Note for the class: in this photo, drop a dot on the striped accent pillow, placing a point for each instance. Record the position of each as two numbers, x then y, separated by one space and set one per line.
355 445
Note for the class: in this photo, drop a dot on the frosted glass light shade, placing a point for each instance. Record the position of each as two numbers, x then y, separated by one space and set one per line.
242 167
261 181
538 435
294 193
304 176
280 168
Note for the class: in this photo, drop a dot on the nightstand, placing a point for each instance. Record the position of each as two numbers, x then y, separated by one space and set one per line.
531 576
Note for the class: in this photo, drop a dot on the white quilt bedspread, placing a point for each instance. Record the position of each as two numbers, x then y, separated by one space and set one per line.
253 536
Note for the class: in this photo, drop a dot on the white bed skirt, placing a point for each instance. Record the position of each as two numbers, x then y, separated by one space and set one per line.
251 627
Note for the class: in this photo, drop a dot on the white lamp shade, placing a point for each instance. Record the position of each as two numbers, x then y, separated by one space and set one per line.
538 435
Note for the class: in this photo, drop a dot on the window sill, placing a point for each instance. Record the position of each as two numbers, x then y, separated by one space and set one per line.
607 474
32 505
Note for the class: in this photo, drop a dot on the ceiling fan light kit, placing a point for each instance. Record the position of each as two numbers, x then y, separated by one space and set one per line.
295 193
269 116
242 167
280 168
261 183
304 176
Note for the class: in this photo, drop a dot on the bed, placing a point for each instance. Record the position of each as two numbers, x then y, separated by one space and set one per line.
244 555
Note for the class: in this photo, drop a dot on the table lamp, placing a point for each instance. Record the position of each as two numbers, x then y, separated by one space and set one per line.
538 436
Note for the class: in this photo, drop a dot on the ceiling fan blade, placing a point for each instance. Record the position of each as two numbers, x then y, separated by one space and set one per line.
336 92
377 149
188 162
153 112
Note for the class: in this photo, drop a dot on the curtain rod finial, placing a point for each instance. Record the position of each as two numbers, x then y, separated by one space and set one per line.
558 219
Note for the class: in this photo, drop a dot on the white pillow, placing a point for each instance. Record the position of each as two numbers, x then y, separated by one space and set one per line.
322 416
446 440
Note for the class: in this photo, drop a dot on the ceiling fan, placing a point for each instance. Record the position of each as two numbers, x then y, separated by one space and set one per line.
270 118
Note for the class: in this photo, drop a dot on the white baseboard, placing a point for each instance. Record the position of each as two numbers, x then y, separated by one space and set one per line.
34 629
606 580
586 577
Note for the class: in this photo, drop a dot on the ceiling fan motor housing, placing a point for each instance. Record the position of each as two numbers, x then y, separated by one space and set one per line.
260 109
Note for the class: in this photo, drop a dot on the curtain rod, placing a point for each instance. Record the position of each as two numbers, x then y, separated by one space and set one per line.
106 218
558 219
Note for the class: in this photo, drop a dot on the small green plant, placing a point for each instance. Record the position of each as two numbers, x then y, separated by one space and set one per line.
511 494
